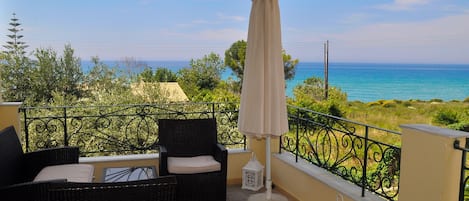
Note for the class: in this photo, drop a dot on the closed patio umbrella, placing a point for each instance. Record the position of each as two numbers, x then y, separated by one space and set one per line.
263 111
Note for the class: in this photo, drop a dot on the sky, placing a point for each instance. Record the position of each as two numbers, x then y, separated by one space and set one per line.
371 31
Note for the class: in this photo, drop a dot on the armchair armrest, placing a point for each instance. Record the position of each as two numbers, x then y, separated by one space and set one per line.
157 189
221 155
37 190
163 161
33 162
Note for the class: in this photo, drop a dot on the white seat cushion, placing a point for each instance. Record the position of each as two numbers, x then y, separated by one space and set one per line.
71 172
190 165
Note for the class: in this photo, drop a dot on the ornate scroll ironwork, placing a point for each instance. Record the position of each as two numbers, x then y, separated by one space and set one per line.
119 129
347 149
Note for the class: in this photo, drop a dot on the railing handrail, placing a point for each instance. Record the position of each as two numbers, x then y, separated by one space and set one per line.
142 104
215 103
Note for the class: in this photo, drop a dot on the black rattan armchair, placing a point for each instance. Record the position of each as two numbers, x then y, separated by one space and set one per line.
18 170
191 138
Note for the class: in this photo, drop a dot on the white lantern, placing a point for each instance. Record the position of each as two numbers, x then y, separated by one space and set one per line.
253 175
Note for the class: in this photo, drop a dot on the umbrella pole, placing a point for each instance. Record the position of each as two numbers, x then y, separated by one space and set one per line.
268 174
267 196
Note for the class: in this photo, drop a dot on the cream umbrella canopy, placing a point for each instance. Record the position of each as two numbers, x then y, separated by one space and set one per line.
263 111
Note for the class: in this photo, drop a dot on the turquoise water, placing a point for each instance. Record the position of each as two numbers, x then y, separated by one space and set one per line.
370 82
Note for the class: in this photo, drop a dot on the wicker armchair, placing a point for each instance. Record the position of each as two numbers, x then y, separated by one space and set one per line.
192 138
18 170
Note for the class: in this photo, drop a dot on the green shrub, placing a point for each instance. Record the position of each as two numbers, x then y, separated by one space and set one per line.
446 117
416 100
334 110
436 100
463 126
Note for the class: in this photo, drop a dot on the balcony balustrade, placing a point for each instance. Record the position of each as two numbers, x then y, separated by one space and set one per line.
345 148
365 155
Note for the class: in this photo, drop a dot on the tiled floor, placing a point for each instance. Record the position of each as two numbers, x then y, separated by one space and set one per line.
235 193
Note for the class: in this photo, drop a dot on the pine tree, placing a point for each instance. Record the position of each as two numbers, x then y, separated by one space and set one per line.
15 46
15 66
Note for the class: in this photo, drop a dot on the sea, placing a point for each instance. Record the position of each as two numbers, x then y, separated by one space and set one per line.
365 82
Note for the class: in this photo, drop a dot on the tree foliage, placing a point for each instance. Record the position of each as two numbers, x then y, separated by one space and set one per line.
55 73
160 75
103 83
15 46
15 66
165 75
45 79
235 58
71 74
310 94
203 74
34 81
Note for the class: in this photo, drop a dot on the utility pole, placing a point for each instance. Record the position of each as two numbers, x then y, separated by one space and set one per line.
326 70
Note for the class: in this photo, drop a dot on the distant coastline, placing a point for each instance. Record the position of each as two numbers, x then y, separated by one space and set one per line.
367 82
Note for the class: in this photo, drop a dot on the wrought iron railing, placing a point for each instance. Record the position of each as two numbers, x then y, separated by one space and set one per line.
120 129
348 149
464 175
354 151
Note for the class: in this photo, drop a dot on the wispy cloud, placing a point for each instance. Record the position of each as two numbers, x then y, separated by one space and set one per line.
436 40
400 5
220 19
442 40
199 21
227 35
234 18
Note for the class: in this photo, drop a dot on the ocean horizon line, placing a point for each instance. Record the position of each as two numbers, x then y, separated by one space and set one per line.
330 62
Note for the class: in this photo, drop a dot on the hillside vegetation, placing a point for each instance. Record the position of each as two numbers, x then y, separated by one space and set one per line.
389 114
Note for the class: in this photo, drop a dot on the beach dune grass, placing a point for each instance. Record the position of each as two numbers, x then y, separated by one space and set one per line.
389 114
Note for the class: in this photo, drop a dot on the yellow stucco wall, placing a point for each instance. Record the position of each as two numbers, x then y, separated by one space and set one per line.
236 162
429 164
294 182
9 115
301 185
